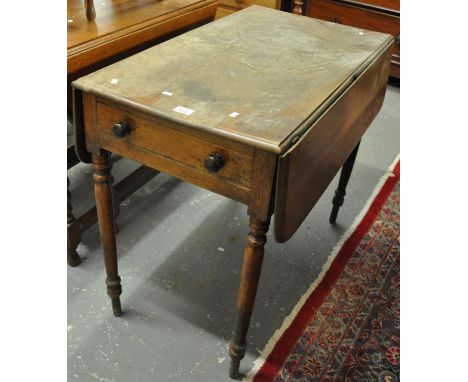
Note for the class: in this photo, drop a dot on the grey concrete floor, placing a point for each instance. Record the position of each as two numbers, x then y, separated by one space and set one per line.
180 250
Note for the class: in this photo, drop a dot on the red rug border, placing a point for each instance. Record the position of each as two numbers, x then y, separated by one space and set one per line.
276 358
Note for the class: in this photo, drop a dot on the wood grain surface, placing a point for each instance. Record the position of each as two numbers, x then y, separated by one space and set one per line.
121 25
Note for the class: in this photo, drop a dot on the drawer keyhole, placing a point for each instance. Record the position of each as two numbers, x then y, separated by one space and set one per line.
214 162
121 129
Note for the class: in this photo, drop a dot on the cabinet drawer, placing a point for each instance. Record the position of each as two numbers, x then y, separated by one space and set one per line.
346 14
393 5
172 144
349 13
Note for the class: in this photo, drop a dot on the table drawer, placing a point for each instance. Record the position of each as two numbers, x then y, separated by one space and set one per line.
173 144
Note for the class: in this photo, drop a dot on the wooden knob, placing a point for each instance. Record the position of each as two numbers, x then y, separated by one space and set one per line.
121 129
214 162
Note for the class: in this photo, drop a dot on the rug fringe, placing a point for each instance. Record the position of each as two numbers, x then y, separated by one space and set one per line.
258 363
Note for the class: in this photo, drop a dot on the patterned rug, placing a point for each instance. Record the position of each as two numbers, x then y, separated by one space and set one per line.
348 328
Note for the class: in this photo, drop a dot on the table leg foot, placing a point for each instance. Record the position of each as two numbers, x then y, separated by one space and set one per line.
73 232
73 259
340 192
105 212
236 352
338 200
114 290
250 275
116 307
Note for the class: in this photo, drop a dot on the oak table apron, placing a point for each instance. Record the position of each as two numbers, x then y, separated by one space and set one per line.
263 107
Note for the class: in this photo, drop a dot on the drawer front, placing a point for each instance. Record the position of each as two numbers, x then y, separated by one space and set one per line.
354 16
165 143
347 14
247 3
393 5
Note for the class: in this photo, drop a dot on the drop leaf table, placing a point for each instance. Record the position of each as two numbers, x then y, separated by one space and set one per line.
262 106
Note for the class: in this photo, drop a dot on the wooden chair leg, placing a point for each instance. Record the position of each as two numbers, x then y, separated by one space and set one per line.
73 232
250 275
340 192
105 212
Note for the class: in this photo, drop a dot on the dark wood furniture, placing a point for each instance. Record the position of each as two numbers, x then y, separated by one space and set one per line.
376 15
121 28
263 120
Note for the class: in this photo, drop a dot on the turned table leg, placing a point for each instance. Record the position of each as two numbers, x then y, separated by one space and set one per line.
340 192
115 197
105 212
73 232
251 268
90 11
298 7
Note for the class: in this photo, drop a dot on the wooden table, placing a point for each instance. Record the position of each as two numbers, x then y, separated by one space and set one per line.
121 25
262 106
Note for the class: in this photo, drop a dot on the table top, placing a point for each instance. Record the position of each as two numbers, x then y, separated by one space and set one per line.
257 76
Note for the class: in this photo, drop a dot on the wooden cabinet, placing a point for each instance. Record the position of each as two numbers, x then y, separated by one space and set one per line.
377 15
226 7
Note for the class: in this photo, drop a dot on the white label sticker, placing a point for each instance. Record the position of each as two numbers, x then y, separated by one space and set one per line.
70 20
167 93
114 81
183 110
234 114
